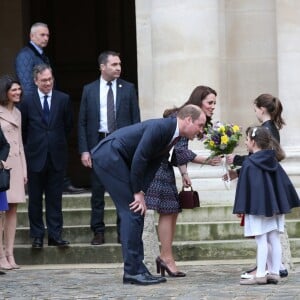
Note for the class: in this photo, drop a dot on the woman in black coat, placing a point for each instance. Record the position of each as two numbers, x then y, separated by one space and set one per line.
4 150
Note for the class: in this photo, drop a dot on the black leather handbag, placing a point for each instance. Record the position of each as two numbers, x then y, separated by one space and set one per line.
4 179
188 199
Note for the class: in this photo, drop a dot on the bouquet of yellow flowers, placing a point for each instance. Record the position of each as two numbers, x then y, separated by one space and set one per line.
221 139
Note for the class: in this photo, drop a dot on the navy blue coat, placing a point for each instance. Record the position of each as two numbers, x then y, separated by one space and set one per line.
138 148
4 146
40 138
238 159
263 187
26 59
127 112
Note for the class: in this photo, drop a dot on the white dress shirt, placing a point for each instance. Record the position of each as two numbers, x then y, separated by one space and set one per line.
103 102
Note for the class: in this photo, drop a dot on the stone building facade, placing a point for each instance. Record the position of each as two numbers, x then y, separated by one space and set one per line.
241 48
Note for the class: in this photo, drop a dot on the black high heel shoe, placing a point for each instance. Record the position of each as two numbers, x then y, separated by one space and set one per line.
157 265
161 267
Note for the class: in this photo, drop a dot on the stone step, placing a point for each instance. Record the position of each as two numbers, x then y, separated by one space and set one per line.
73 216
208 232
225 249
74 234
111 253
226 230
74 201
219 213
80 214
75 254
200 231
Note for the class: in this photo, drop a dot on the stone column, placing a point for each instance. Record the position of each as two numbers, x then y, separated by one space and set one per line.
178 49
249 65
288 45
150 239
288 49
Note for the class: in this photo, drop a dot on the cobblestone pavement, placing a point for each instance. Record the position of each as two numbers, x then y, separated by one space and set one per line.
205 280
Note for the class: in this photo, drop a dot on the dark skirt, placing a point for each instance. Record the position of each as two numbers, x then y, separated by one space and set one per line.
162 194
3 201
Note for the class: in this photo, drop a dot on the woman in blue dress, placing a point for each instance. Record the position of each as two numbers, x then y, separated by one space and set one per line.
162 195
4 150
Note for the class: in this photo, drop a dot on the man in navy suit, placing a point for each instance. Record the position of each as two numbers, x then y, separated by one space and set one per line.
94 125
26 59
46 123
126 162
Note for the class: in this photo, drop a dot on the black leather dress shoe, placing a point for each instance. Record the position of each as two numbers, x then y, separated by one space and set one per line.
142 279
283 273
2 273
153 276
37 243
98 239
70 189
58 242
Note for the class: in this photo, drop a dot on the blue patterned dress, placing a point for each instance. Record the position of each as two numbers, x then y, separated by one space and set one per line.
3 201
162 194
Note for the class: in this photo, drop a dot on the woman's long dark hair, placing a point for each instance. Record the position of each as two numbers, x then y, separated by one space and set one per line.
196 98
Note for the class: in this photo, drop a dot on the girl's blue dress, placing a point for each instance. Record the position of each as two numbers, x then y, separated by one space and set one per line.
3 201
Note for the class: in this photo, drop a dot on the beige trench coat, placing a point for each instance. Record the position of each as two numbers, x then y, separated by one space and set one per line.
10 122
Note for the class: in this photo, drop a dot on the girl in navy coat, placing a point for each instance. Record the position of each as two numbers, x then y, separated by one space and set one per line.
268 110
264 194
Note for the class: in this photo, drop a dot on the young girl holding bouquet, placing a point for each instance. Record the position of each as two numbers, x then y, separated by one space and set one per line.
264 194
268 111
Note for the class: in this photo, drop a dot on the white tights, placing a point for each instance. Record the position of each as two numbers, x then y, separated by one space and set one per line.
262 253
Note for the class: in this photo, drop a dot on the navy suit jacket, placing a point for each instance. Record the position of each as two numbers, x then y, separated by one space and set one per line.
127 112
40 138
134 153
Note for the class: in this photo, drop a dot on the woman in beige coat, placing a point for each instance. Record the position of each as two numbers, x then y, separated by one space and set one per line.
10 121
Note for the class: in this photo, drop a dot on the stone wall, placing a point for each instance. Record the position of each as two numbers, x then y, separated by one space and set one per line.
240 48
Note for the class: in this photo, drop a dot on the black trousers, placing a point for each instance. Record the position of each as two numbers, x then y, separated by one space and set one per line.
47 182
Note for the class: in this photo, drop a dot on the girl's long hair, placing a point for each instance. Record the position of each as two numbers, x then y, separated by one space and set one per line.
264 140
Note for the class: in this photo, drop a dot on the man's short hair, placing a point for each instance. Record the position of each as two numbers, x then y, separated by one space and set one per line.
190 110
36 25
103 57
40 68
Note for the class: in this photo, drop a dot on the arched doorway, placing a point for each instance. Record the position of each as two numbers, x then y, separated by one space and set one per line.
78 33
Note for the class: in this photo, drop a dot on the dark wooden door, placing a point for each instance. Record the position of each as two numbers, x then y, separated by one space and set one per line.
78 33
